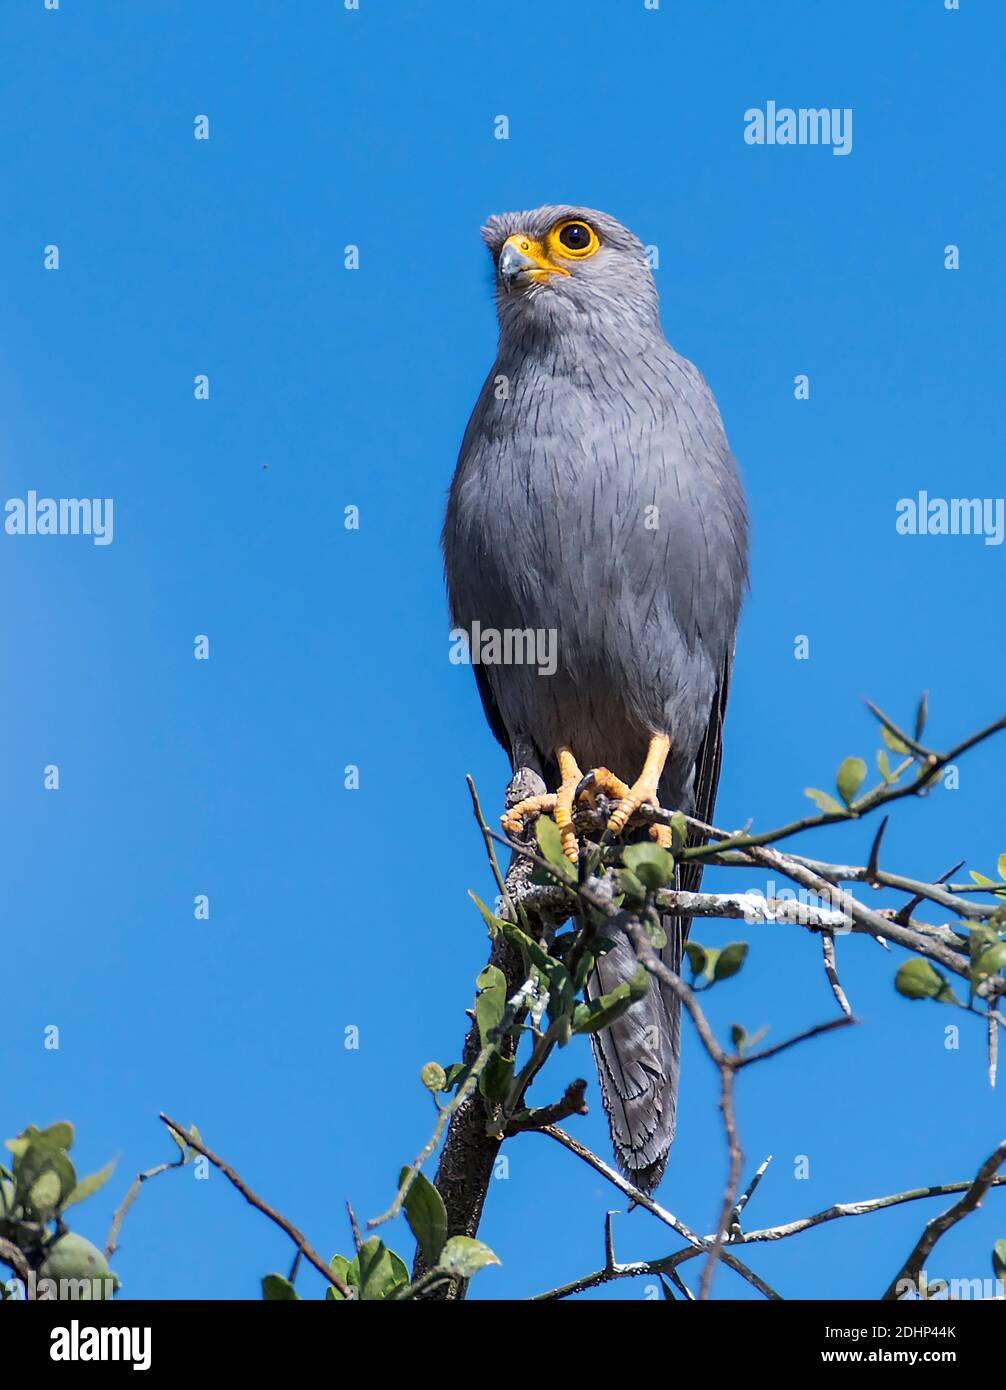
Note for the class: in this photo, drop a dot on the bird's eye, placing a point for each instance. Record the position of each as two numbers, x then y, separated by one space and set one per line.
574 240
575 236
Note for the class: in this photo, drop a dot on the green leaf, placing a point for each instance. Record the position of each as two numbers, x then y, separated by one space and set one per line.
550 843
276 1289
180 1142
851 775
490 1001
738 1036
491 920
553 970
73 1257
464 1256
679 832
186 1151
496 1078
699 958
651 864
456 1074
433 1077
895 744
59 1135
348 1272
824 802
1001 866
992 884
37 1160
655 934
916 979
88 1186
730 960
633 888
426 1214
43 1198
999 1259
598 1013
381 1271
989 962
980 935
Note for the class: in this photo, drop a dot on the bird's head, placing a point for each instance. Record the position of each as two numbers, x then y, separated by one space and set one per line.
561 268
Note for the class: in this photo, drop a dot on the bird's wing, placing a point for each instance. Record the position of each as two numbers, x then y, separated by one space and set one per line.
707 776
491 709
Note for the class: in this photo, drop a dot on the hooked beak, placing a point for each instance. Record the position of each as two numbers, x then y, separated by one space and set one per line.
523 259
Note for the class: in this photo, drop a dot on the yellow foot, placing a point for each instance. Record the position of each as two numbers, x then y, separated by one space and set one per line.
516 820
600 782
571 777
644 790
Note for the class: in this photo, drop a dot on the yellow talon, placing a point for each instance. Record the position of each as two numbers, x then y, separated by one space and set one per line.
571 776
662 835
514 821
644 790
601 782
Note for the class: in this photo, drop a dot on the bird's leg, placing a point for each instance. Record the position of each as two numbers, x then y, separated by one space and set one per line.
570 776
644 792
561 802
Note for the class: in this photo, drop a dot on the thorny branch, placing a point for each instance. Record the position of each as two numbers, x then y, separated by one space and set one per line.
939 1225
236 1181
837 911
667 1264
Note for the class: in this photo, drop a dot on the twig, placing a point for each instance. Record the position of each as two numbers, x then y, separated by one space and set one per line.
866 1208
237 1181
11 1255
808 1033
939 1225
354 1227
112 1243
879 796
572 1102
748 1193
831 970
698 1244
463 1093
736 1162
993 1047
490 852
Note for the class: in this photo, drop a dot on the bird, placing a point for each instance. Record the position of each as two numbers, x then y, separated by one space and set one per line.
596 499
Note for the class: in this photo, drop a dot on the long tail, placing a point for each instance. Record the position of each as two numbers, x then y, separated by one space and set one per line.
638 1059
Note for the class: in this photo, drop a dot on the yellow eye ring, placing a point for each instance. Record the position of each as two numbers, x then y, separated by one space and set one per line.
573 239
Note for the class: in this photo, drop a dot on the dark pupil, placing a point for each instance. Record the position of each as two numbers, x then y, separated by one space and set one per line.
576 236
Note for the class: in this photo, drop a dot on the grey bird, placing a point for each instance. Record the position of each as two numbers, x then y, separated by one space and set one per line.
596 498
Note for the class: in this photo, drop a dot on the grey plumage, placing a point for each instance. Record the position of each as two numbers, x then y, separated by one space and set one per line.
595 496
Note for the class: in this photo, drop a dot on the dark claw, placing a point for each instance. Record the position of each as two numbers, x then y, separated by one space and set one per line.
584 784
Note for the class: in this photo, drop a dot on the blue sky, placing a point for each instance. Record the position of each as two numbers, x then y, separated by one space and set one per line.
332 908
